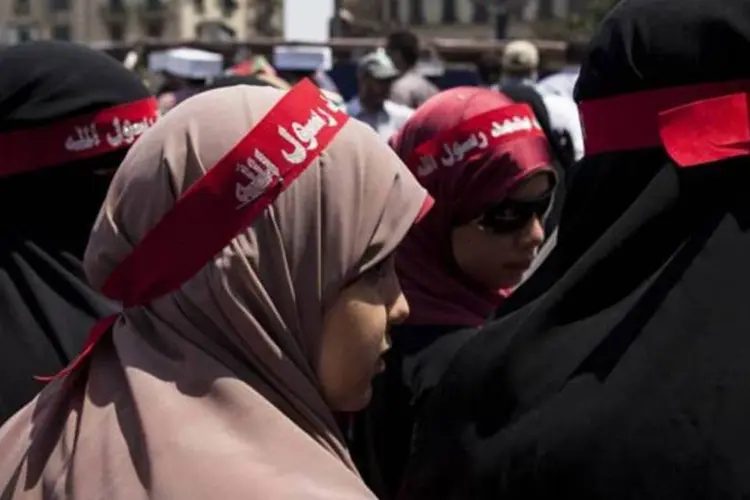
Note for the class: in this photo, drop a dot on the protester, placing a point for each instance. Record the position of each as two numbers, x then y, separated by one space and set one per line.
61 141
620 369
186 71
296 63
375 75
254 258
457 265
563 82
520 63
411 88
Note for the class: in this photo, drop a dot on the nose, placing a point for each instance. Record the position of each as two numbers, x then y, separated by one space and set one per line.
399 311
532 236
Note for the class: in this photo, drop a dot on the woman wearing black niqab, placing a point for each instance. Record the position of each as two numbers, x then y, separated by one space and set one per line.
59 146
621 369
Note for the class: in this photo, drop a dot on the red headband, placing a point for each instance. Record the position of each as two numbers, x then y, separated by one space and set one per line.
695 124
223 202
470 138
76 138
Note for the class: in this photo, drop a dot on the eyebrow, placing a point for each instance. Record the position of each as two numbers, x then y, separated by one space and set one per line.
548 193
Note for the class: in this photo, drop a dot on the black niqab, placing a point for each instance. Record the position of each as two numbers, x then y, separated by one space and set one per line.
46 306
621 369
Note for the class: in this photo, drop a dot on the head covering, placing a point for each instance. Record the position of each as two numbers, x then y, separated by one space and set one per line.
302 58
51 187
186 62
378 65
520 55
229 353
622 371
438 292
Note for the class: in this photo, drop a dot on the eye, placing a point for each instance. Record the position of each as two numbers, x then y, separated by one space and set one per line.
381 270
507 213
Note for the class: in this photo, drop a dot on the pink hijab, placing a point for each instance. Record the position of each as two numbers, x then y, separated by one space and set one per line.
437 291
209 391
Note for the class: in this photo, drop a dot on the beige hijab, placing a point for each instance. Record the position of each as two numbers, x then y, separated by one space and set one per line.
209 392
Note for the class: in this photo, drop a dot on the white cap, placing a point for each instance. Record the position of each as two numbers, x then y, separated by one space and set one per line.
187 63
302 58
520 55
378 65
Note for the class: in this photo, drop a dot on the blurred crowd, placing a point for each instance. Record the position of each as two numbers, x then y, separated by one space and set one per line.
226 280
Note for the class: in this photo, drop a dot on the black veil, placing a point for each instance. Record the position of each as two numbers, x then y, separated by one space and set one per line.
621 369
46 306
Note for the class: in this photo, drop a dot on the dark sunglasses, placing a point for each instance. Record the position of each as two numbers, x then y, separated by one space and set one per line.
510 215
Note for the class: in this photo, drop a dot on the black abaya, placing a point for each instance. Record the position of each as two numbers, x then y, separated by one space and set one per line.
46 306
621 369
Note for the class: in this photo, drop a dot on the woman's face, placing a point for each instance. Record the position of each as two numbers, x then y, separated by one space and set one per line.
355 336
497 249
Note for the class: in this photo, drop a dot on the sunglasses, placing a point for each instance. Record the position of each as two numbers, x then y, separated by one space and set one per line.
510 215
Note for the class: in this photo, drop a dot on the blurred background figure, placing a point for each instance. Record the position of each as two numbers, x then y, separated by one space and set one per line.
252 65
564 81
520 67
375 76
186 71
295 63
520 63
411 88
430 66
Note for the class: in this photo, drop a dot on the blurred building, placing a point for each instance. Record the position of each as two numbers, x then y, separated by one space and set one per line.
456 18
131 20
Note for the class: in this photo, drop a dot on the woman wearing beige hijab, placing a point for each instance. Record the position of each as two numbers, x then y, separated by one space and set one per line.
220 378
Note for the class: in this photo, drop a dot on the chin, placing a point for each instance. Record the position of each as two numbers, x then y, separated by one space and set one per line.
354 403
510 281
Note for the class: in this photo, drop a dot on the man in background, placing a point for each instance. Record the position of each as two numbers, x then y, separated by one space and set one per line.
520 66
411 88
563 82
376 73
185 71
295 63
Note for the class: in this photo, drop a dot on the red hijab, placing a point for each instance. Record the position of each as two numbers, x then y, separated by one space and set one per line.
463 185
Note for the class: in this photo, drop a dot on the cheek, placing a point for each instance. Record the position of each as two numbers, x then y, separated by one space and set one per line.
352 343
479 253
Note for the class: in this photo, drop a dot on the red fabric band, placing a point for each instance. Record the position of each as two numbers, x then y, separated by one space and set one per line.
472 137
76 138
695 124
224 202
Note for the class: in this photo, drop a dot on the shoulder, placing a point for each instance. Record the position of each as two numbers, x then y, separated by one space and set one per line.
561 108
398 111
353 107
